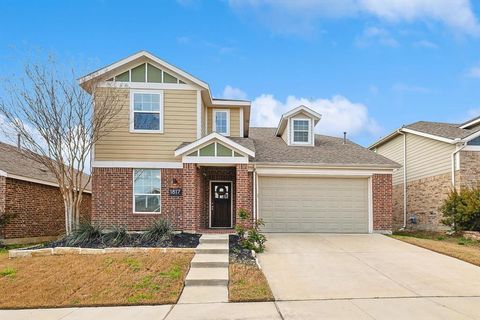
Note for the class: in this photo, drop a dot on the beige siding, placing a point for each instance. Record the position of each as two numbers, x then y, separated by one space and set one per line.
285 134
180 125
394 151
427 157
234 121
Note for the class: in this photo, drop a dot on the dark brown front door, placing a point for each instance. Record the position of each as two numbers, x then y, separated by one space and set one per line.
221 206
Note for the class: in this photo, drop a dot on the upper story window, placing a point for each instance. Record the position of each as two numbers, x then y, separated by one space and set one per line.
301 131
147 191
147 112
221 122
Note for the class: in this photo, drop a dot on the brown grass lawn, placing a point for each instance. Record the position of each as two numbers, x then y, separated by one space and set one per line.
92 280
454 246
248 283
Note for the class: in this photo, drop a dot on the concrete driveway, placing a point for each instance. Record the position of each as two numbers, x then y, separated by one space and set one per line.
367 275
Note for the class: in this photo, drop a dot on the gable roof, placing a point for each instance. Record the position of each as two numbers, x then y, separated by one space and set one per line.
283 120
241 144
328 151
441 131
15 165
137 56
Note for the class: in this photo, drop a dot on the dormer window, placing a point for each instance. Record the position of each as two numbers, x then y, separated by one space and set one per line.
221 122
301 131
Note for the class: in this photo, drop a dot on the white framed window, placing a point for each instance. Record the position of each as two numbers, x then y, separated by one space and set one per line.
221 122
146 111
301 131
147 188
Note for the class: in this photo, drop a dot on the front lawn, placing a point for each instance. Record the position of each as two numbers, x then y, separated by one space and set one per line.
247 281
92 280
455 246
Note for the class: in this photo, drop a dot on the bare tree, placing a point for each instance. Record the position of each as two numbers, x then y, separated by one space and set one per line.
58 125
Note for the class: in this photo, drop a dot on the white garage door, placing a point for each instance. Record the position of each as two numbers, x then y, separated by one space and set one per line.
297 204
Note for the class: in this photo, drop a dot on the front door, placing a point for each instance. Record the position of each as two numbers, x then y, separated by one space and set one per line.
221 204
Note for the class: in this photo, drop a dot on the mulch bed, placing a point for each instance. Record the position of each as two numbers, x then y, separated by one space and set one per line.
178 240
238 254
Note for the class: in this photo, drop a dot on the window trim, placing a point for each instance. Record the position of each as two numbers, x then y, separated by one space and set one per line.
292 131
132 111
214 124
133 191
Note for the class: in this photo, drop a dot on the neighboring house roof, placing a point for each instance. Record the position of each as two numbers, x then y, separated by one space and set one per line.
15 165
327 151
446 132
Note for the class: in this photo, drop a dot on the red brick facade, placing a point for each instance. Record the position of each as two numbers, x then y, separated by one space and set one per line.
113 196
382 202
38 209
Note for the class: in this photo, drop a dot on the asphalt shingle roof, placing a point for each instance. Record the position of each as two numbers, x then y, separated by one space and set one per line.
14 162
327 151
445 130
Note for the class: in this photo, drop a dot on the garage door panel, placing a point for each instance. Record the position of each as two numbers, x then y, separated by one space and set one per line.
294 204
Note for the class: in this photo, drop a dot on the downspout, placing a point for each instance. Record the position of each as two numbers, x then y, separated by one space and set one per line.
404 178
254 193
457 150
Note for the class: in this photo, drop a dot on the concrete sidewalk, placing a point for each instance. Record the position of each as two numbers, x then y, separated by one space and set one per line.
385 308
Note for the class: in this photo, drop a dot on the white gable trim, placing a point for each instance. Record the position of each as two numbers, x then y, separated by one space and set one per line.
139 55
211 137
431 136
471 123
282 123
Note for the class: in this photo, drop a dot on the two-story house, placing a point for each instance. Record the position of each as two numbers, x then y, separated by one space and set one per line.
436 158
177 152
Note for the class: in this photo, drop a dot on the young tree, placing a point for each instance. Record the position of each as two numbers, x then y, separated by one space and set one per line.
57 125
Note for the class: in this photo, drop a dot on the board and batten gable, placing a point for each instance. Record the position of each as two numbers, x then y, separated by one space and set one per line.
179 125
234 120
425 157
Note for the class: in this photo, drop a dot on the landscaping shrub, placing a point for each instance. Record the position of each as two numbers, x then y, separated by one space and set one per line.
461 210
85 233
250 237
116 236
159 231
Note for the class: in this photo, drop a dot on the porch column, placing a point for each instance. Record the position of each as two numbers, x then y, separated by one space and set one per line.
244 192
191 197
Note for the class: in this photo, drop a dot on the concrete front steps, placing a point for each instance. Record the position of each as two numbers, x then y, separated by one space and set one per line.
207 280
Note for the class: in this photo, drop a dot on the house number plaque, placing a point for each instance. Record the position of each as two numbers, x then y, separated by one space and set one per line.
175 192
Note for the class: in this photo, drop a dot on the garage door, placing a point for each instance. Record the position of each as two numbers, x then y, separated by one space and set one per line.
297 204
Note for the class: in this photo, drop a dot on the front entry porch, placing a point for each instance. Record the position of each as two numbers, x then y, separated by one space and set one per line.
213 195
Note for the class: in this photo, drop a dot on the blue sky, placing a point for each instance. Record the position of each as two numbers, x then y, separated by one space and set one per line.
368 66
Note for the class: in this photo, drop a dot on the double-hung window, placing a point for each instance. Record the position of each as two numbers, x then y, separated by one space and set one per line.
301 131
221 122
147 191
147 112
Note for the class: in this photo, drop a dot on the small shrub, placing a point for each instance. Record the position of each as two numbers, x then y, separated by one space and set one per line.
116 236
85 233
461 210
5 219
159 231
250 237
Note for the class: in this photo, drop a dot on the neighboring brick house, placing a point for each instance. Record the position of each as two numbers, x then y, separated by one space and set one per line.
175 152
29 193
438 157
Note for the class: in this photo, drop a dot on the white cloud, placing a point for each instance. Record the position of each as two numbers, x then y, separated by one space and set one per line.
233 93
373 35
338 114
474 72
297 16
